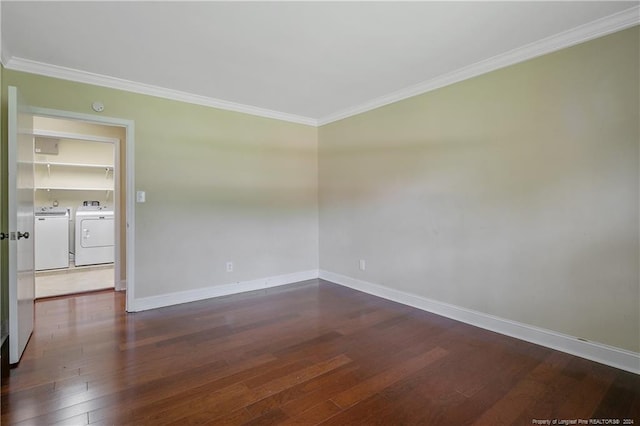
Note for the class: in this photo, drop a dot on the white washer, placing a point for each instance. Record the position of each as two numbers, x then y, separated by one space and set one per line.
51 240
95 235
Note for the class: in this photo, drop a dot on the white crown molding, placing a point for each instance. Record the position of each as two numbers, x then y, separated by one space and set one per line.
601 27
170 299
598 352
580 34
48 70
4 53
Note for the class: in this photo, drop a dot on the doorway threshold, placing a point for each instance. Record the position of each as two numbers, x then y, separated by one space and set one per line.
74 280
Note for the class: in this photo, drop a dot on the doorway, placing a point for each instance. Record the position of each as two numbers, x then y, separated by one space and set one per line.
80 172
77 183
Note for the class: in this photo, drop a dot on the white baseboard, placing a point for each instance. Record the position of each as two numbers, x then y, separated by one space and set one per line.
609 355
152 302
121 285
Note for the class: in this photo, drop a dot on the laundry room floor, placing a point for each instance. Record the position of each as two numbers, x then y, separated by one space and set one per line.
73 280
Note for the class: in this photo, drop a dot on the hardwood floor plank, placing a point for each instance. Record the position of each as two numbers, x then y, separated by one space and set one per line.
307 394
315 415
234 418
198 408
311 343
452 395
373 410
377 383
271 417
299 376
526 392
621 399
79 420
217 403
180 384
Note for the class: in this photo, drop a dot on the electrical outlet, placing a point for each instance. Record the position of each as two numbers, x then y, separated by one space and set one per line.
363 265
229 266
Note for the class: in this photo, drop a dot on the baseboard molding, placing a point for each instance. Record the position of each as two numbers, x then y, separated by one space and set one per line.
598 352
152 302
604 354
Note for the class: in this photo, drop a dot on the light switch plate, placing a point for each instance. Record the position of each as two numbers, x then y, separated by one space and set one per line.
141 196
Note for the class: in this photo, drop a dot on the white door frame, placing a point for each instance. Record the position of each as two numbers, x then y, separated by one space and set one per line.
128 185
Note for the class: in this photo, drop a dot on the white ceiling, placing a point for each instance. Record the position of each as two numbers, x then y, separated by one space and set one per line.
311 61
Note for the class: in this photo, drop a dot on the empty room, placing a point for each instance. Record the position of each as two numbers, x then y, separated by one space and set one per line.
336 213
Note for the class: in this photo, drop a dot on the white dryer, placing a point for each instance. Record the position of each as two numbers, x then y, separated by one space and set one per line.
51 245
95 235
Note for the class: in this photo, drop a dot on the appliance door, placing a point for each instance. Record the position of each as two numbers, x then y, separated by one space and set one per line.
97 232
51 242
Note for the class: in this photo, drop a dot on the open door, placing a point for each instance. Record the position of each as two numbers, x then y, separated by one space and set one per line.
21 249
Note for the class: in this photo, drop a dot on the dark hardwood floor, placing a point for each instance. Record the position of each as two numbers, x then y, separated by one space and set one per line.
313 353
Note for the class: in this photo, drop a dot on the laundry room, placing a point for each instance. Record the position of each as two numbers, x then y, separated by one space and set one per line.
76 187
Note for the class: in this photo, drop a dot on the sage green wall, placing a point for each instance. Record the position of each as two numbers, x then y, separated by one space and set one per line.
514 193
220 186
